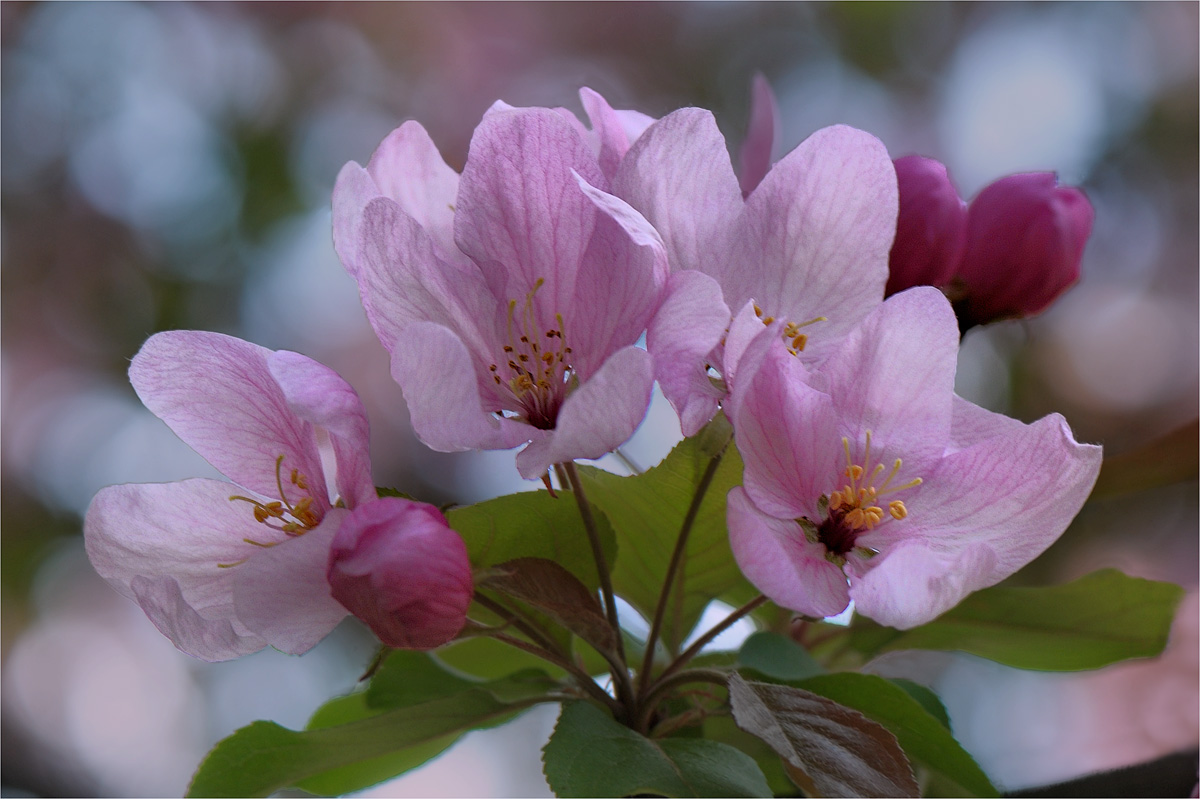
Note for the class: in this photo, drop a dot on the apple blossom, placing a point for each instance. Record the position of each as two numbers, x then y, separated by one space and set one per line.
510 299
397 566
809 244
868 479
225 569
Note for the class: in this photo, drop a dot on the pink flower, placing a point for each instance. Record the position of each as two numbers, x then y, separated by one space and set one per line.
511 298
809 244
870 480
1014 251
225 569
399 568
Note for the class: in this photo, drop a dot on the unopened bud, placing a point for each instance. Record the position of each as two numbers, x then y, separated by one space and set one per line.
1025 239
398 567
931 229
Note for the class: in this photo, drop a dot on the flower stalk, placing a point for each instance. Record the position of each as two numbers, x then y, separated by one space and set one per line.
673 566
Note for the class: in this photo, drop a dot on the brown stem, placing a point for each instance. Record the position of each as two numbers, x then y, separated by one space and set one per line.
665 684
621 674
584 679
676 558
519 622
708 637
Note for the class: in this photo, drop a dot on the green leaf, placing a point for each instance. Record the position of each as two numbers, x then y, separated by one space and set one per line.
356 776
590 754
1096 620
647 512
264 757
358 740
921 734
725 730
778 657
408 678
925 698
832 750
412 678
532 524
384 491
490 659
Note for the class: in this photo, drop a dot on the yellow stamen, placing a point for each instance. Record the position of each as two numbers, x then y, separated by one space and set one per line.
857 500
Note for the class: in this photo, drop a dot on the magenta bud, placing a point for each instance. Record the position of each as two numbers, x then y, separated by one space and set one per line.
398 567
931 229
1025 239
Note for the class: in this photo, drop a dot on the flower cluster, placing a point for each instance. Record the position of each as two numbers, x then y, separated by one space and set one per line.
511 299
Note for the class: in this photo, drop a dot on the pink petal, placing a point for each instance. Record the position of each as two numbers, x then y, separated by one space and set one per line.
894 375
218 395
213 640
761 132
403 280
160 544
971 424
634 123
353 190
319 395
678 175
597 417
442 390
744 328
685 329
914 584
519 206
618 285
606 125
282 593
817 231
1016 492
408 169
782 563
785 430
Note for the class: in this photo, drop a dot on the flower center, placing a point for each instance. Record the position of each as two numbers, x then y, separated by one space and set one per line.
538 371
857 506
792 337
282 515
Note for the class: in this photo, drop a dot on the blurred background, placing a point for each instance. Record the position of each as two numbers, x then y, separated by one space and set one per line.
170 166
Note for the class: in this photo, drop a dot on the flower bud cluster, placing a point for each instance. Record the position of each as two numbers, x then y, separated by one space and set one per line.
1009 254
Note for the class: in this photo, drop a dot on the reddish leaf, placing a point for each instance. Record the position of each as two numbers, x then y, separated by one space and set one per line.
840 751
553 590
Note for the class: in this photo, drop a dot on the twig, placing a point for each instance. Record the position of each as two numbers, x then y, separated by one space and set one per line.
676 558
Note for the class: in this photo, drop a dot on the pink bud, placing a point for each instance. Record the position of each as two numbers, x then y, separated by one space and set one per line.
399 568
1025 239
931 229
